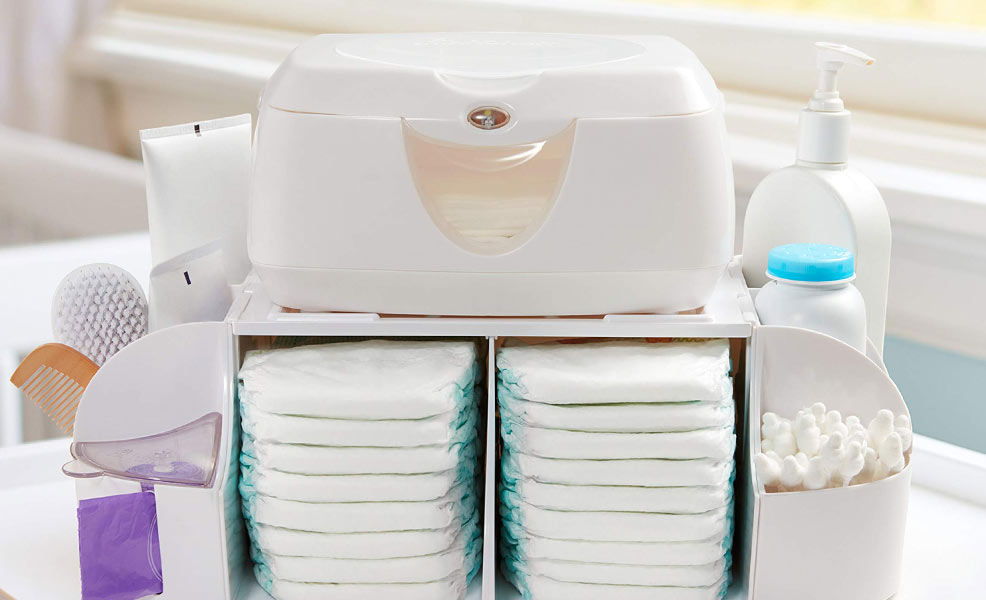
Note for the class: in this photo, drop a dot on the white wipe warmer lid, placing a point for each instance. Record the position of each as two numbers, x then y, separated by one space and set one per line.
491 88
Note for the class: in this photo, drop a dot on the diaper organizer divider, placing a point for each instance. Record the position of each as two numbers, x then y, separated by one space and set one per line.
729 314
159 383
178 374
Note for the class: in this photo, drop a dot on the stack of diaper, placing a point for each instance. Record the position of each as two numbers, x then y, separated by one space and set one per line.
617 469
359 469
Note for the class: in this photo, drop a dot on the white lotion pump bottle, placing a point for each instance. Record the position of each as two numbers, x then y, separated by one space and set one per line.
821 199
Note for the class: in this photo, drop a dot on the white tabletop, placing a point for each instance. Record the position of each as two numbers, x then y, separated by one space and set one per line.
39 549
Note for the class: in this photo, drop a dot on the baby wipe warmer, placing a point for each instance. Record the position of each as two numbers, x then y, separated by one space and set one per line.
491 174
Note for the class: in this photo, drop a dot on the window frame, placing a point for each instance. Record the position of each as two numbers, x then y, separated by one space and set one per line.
913 63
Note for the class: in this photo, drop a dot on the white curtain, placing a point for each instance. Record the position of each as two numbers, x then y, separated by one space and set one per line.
37 92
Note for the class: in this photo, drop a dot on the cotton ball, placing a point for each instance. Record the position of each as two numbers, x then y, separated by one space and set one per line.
771 423
902 425
807 434
833 423
870 463
853 425
816 477
858 436
891 456
768 470
880 427
818 410
853 463
902 421
906 437
785 443
766 445
792 474
833 452
802 459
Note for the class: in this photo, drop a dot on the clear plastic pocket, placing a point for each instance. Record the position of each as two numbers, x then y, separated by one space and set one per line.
488 199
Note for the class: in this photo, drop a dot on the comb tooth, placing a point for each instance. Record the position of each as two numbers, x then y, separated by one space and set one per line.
66 400
68 418
48 400
63 395
30 380
41 379
64 386
68 421
44 375
42 394
36 379
57 395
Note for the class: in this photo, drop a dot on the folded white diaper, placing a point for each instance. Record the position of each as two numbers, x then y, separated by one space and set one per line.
627 418
618 526
345 517
375 379
415 569
359 464
616 574
617 469
716 443
525 544
623 498
326 460
443 429
452 587
540 587
386 544
637 472
353 488
615 372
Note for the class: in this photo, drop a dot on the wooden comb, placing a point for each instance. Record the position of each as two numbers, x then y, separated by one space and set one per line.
54 376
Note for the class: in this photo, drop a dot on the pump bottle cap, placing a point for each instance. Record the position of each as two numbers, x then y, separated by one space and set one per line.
823 128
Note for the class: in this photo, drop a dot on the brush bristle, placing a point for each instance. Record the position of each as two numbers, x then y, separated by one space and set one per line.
98 309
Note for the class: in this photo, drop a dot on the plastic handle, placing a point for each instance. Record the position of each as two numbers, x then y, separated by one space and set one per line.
81 470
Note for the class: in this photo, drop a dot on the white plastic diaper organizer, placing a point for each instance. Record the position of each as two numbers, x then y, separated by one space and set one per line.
604 162
178 375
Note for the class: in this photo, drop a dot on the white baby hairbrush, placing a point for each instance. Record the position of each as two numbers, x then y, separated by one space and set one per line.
98 309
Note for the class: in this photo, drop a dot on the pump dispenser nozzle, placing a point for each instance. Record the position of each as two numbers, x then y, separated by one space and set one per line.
831 58
823 132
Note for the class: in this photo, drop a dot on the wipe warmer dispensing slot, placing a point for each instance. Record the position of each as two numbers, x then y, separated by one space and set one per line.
491 174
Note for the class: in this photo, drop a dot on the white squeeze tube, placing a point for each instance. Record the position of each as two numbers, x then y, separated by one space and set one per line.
198 177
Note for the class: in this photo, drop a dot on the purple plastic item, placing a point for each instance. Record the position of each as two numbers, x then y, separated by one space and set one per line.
119 551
